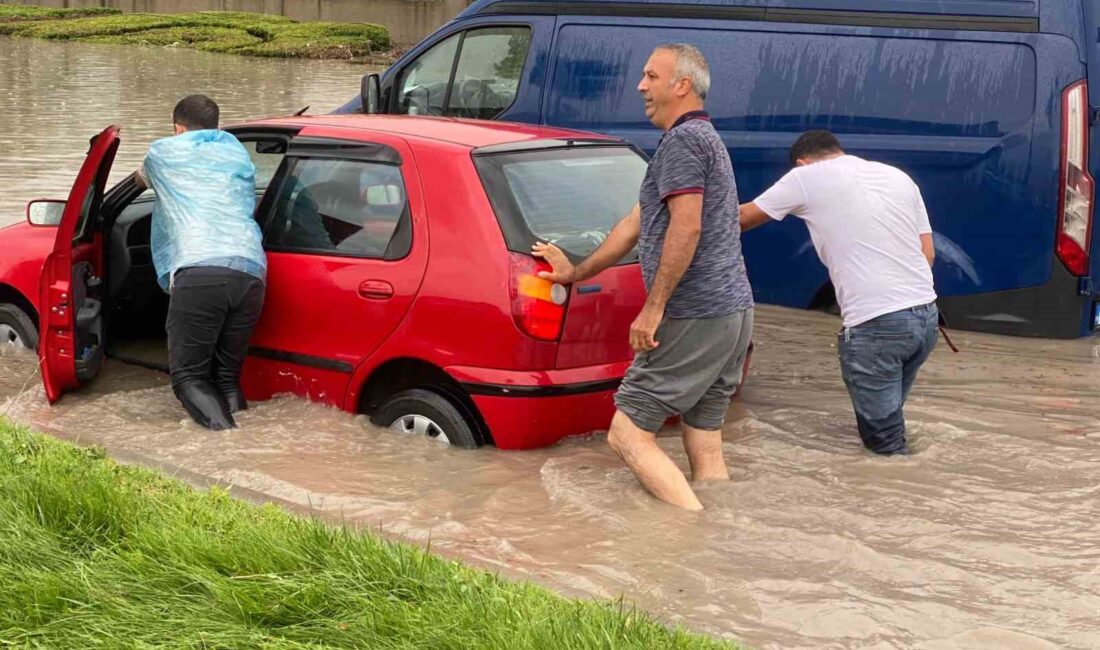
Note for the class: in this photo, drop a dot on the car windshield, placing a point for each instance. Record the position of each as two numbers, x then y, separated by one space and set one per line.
571 197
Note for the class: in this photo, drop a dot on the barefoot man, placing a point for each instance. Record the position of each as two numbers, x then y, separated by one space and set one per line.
692 335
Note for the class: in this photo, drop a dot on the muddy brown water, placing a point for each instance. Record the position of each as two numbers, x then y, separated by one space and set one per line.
987 537
55 96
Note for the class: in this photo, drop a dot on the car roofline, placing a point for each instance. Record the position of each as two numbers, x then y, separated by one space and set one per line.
556 139
541 144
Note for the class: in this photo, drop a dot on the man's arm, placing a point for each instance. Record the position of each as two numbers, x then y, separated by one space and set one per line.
620 241
927 247
752 216
685 225
139 177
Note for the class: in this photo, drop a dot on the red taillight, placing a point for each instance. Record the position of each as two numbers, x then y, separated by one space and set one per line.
538 305
1075 187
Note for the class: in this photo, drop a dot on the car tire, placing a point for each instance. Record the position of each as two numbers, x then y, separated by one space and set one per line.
16 328
427 413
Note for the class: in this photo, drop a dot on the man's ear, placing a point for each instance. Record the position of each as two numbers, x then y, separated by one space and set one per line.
683 87
179 129
802 162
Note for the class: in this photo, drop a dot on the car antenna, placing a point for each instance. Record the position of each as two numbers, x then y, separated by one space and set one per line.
301 112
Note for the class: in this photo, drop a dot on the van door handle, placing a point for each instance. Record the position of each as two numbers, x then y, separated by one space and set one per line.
375 290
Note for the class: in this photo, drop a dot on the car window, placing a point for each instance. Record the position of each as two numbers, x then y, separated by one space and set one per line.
422 85
339 207
570 197
488 72
85 218
266 158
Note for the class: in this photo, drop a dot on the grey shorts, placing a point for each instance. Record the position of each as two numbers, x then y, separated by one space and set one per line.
693 372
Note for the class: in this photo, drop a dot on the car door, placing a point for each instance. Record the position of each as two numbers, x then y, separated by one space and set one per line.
71 328
346 242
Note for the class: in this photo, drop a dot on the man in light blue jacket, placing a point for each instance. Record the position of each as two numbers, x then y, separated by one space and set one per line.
209 257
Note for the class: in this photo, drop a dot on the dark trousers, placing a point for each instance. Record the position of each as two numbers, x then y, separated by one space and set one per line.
211 314
879 360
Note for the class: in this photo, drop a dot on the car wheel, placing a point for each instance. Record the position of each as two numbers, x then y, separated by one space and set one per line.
425 413
16 328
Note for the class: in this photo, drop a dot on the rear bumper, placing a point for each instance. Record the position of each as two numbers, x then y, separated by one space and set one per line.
528 409
1063 307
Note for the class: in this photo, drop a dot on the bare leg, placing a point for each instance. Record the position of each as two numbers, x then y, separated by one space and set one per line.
704 450
654 469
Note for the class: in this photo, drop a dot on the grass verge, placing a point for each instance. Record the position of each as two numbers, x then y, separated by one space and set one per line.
211 31
98 555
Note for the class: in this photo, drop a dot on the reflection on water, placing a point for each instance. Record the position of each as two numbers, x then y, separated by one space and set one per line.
985 538
55 96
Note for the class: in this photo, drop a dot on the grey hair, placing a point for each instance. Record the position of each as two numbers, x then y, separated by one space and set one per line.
691 65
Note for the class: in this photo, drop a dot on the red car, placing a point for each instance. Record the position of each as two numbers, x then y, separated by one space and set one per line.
400 282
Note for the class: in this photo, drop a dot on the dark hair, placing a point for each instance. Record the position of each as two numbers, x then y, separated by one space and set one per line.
196 112
814 144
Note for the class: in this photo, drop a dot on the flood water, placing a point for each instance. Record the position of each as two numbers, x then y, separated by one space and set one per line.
55 96
985 538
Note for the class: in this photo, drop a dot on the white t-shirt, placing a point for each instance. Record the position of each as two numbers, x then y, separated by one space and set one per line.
865 220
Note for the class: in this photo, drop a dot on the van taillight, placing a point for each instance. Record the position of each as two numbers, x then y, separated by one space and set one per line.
1075 185
538 305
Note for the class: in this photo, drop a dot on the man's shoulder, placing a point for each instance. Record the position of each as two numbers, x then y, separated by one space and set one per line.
694 131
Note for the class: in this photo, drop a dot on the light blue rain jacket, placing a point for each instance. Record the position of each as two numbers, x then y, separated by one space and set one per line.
205 187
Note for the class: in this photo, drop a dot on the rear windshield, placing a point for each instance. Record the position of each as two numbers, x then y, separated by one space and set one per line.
571 197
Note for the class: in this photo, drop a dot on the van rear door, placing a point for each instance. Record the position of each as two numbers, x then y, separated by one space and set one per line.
1091 9
572 195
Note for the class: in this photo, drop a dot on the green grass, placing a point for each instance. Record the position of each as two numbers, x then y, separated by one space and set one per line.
29 12
214 31
98 555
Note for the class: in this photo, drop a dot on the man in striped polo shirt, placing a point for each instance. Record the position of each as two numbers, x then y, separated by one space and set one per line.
692 335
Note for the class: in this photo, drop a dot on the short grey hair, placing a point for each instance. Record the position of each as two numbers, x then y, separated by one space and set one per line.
691 65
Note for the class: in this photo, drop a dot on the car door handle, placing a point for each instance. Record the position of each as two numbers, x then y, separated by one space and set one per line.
375 290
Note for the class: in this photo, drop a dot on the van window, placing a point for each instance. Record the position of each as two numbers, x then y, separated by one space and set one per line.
485 77
488 71
422 85
338 207
570 197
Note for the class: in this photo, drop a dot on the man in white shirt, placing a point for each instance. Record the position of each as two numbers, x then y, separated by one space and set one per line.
870 228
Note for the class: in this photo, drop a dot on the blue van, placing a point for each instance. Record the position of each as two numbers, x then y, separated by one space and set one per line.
988 104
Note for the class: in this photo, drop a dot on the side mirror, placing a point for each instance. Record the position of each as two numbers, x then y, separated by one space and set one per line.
45 212
370 91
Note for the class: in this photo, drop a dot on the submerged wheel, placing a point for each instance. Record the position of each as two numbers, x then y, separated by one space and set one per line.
16 328
425 413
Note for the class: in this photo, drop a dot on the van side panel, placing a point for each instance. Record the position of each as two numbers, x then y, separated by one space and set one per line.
972 116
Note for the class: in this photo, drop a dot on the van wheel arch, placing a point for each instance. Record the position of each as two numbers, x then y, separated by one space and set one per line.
825 300
398 375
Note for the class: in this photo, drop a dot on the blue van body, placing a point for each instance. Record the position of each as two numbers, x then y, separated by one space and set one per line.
964 95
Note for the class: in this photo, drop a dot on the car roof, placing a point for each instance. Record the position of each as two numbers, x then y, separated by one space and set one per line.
462 132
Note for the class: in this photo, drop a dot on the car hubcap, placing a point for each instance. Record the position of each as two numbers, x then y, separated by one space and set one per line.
8 336
419 425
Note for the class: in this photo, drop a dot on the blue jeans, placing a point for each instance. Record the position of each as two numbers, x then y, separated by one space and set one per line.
879 360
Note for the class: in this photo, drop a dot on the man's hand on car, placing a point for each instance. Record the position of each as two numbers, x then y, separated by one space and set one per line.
563 270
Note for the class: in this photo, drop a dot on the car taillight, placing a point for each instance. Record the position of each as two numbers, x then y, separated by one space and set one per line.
1075 185
538 305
